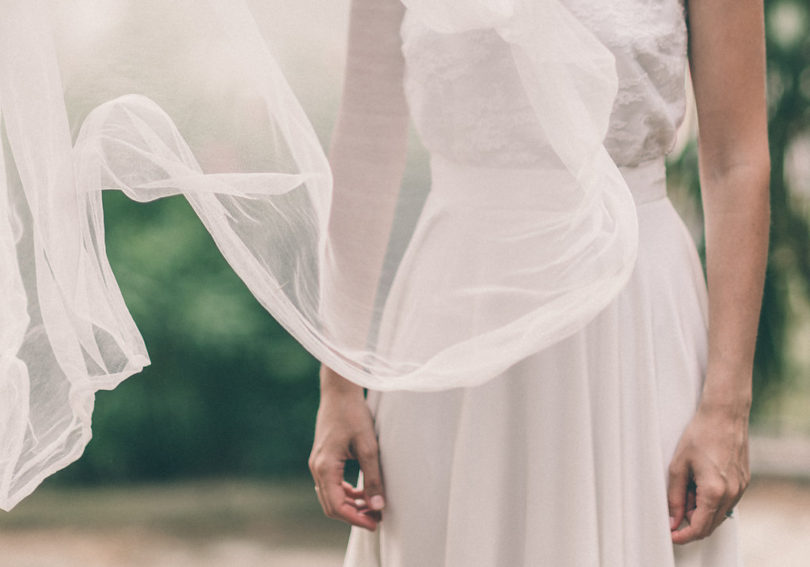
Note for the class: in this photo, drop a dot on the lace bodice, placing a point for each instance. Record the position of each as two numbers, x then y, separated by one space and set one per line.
468 105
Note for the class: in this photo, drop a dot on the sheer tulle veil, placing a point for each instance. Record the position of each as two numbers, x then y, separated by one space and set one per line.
232 138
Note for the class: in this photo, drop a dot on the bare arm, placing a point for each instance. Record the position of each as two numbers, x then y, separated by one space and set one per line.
367 156
709 471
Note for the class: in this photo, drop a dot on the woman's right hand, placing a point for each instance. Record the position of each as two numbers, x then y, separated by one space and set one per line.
344 430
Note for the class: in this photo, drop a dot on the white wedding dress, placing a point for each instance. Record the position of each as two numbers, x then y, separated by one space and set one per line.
561 460
560 290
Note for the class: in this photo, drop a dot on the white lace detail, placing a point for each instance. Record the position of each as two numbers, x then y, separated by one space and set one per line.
492 122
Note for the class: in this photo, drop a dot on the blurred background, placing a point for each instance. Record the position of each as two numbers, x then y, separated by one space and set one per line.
201 459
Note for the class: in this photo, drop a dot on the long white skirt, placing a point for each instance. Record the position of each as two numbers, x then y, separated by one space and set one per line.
562 460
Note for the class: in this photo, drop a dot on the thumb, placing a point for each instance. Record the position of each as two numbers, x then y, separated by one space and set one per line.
676 493
368 456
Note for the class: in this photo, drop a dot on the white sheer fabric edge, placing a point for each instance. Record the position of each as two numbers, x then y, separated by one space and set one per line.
81 327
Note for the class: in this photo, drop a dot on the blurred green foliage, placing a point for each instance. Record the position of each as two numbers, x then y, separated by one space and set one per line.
228 391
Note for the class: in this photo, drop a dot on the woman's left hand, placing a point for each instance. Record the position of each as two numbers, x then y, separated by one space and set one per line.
709 471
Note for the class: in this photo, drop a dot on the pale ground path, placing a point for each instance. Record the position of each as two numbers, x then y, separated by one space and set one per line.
775 525
256 525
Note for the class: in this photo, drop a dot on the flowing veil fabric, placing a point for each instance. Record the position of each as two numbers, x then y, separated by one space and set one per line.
146 117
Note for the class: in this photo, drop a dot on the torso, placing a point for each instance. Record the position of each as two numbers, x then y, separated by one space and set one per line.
468 105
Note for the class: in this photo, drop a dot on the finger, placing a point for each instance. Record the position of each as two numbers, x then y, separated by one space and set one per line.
334 499
728 514
721 498
353 491
368 457
719 518
318 468
677 493
331 497
341 506
362 506
358 504
320 498
327 471
691 501
375 515
738 494
702 523
357 499
725 509
362 518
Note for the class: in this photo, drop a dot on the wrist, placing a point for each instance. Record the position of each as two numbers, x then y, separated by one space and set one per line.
333 384
728 402
727 390
730 409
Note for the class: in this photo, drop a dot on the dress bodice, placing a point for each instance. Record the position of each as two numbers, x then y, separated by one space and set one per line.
467 102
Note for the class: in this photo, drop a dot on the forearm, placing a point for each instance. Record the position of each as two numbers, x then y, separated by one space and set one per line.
367 156
736 206
727 60
333 384
369 145
367 181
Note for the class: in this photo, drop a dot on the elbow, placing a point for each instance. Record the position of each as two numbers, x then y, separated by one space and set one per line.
750 168
757 169
760 167
738 183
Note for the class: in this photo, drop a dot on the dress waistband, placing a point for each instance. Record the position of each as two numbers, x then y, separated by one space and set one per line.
647 181
476 185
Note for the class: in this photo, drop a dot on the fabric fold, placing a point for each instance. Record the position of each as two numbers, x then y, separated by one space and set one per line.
188 99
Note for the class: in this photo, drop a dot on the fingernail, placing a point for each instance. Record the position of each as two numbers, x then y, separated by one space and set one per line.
673 523
377 502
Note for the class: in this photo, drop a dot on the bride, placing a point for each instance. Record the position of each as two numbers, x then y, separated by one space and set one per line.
550 380
626 436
